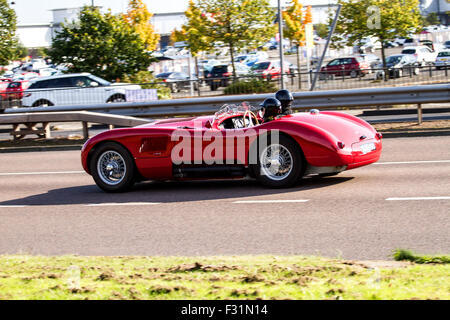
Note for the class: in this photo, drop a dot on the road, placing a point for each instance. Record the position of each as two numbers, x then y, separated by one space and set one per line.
49 206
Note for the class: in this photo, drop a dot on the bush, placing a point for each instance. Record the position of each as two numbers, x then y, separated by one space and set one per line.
250 86
148 81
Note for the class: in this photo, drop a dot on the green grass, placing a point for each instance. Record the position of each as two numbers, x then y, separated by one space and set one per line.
406 255
228 277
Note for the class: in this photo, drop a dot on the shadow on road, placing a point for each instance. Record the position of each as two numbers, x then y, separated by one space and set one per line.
168 192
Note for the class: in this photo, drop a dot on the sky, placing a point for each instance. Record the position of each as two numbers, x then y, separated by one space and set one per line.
38 11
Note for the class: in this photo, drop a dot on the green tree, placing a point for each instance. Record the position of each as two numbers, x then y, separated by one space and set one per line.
321 30
384 19
8 42
139 17
431 19
102 44
237 23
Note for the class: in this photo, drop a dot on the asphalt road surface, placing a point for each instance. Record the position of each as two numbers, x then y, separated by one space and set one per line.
49 206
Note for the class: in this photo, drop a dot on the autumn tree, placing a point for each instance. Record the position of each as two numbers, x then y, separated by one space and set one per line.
9 45
383 19
294 29
237 23
102 44
139 17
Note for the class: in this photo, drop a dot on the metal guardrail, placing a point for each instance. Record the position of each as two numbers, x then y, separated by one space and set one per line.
303 100
31 120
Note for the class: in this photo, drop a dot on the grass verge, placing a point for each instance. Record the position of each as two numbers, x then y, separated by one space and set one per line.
229 277
406 255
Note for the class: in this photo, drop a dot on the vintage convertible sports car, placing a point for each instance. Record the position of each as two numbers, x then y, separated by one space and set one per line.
233 143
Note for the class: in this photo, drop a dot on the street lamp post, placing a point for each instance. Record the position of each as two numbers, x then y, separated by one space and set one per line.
280 32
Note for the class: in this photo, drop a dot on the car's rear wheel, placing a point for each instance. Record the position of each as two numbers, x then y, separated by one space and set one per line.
280 164
117 98
354 73
112 167
42 103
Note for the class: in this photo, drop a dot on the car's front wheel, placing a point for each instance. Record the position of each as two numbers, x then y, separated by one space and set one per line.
280 164
112 167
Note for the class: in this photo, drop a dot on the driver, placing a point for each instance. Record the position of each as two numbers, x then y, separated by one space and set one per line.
286 99
270 108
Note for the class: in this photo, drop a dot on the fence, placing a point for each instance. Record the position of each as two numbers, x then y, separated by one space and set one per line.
204 87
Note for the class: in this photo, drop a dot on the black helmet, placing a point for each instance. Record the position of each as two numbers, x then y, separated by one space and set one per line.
272 107
284 95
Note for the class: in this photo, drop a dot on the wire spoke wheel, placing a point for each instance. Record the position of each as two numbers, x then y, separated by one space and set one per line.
111 167
276 162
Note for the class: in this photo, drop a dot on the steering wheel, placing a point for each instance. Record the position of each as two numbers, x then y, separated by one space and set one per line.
250 118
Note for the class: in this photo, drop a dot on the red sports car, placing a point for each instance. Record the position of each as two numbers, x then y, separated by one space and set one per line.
232 144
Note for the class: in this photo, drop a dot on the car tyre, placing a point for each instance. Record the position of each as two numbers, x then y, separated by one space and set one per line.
285 170
42 103
112 167
117 98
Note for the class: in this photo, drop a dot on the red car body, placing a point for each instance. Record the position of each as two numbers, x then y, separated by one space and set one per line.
14 90
350 66
329 141
269 69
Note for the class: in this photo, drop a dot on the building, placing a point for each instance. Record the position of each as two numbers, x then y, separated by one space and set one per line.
441 7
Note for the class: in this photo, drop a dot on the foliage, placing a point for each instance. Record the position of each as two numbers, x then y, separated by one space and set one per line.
294 20
8 40
431 19
211 278
402 255
308 15
102 44
384 19
194 32
322 30
21 51
252 85
139 18
148 81
237 23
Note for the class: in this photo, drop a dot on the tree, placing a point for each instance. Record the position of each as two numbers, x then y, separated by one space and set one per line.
383 19
237 23
431 19
102 44
194 32
139 18
294 29
321 30
8 41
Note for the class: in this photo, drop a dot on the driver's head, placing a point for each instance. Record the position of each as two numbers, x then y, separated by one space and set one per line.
286 99
271 107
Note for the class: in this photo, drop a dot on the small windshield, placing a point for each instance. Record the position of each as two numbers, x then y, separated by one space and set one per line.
409 51
444 54
394 59
230 110
101 81
261 65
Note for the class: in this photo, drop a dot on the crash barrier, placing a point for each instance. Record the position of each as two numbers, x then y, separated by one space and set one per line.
31 121
215 86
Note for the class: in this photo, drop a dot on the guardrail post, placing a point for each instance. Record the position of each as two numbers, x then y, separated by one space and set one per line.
419 113
46 127
110 126
85 130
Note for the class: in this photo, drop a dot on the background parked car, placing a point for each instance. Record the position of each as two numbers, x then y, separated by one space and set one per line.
177 81
372 59
443 60
422 54
447 44
401 64
350 66
75 88
220 74
269 69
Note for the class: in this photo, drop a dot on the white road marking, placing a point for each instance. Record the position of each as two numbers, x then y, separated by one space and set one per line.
13 206
38 173
269 201
413 162
418 198
121 204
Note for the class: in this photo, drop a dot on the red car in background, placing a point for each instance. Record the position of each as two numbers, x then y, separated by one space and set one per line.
350 66
269 69
14 90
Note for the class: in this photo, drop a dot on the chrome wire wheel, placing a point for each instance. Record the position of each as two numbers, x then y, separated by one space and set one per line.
276 162
111 167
